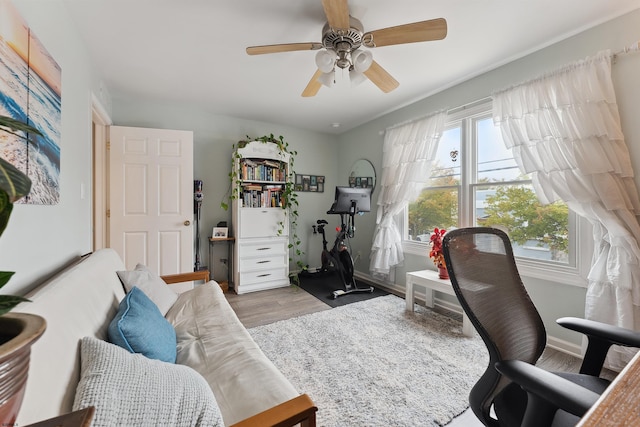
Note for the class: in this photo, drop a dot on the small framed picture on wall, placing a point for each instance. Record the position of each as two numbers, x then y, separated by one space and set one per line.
309 183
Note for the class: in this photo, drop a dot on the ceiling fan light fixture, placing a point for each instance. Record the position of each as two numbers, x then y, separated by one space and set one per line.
343 50
356 78
327 79
325 60
362 60
343 36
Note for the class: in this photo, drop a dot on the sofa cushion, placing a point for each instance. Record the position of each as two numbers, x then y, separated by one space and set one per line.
129 389
153 286
212 341
139 327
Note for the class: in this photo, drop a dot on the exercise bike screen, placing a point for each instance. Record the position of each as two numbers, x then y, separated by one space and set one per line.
344 197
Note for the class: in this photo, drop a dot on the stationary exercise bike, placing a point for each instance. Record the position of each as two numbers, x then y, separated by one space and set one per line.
338 257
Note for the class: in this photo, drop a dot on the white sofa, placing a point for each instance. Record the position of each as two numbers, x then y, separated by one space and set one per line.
82 300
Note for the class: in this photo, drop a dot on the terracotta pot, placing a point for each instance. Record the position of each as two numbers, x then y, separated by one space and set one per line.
443 273
18 332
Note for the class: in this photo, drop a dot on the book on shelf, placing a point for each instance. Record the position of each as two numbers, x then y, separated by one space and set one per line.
247 186
262 170
259 196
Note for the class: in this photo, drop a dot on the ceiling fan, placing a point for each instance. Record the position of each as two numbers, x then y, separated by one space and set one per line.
342 39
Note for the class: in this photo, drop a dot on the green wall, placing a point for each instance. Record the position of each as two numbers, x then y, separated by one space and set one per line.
41 239
553 299
214 136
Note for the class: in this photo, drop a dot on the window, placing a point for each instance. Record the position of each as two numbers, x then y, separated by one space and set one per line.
476 182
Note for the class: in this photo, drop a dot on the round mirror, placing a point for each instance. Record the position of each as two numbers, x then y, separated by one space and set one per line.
362 174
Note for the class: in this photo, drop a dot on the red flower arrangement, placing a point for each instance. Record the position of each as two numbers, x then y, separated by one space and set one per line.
436 247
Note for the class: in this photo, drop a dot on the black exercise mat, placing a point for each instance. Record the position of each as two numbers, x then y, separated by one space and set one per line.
322 285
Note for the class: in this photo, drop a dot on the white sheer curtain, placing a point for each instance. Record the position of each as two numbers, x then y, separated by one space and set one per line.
564 129
408 154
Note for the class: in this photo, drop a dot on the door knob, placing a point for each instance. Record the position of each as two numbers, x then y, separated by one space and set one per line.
187 223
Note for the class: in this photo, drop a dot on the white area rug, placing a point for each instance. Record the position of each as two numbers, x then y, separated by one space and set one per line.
372 363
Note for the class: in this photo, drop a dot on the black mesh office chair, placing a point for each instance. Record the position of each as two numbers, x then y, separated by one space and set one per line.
485 278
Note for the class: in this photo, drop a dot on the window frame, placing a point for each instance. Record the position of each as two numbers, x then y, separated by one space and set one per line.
580 245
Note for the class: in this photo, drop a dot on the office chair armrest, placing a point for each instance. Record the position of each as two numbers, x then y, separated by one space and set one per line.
601 337
603 331
559 392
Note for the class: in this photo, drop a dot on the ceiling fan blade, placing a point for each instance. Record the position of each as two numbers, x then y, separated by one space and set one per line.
434 29
381 78
277 48
337 12
314 85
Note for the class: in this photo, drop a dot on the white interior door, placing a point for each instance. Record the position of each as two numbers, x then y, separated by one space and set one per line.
151 198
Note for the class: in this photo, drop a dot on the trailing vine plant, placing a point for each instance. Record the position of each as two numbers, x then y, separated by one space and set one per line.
289 196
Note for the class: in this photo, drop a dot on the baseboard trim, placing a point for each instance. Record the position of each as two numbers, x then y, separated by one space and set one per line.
564 346
447 305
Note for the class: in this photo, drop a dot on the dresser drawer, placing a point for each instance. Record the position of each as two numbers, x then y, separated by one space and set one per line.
264 276
262 248
263 263
262 222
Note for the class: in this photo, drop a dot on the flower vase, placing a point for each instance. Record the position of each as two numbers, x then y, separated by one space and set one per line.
443 273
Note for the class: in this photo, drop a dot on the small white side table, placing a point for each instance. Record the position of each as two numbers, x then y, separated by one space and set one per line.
431 282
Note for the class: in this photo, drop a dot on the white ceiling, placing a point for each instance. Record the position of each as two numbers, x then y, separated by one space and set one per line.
193 51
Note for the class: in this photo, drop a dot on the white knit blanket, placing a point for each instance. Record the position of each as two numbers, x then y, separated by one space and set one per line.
132 390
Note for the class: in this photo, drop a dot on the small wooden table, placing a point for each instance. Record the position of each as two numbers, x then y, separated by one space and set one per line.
431 282
229 241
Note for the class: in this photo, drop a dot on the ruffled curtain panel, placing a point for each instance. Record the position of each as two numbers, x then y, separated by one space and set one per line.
564 129
408 156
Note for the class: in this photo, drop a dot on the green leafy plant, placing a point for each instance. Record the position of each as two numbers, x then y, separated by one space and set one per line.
14 185
289 195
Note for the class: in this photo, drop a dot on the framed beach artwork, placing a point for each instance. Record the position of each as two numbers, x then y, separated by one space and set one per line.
30 91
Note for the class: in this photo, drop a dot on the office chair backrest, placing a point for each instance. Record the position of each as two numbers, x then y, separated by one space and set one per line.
485 278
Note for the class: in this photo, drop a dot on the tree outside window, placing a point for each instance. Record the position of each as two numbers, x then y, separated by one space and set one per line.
476 182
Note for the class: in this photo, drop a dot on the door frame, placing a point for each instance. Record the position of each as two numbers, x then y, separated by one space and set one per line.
100 122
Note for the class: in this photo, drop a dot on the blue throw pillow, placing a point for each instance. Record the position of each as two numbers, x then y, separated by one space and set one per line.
139 327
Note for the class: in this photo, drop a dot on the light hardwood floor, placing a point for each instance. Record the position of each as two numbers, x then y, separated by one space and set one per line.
264 307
